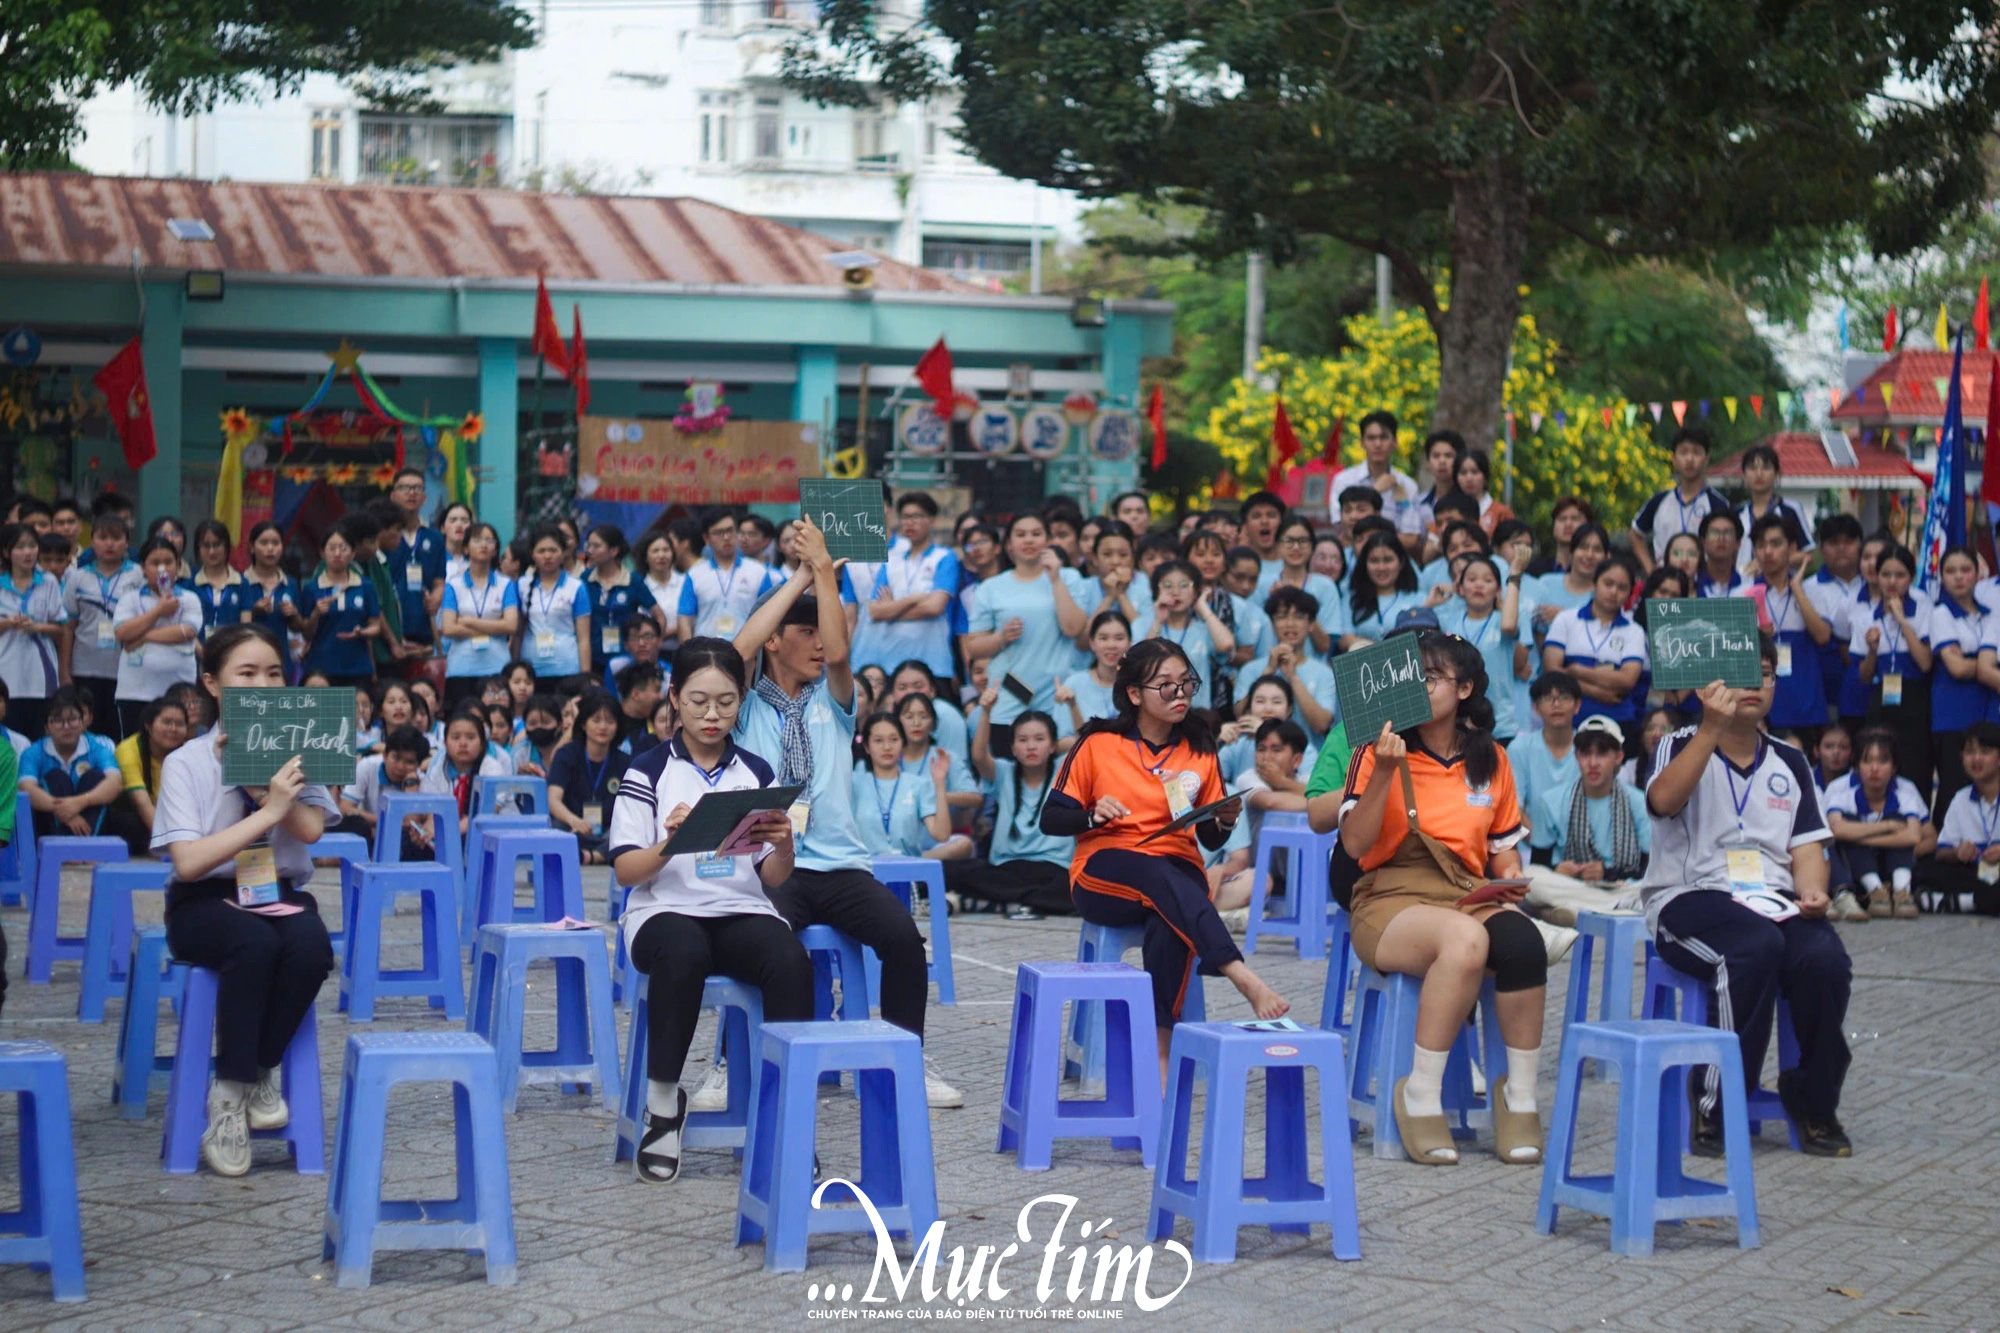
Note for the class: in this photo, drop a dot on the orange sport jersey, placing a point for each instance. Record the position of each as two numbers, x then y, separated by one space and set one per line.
1122 765
1473 823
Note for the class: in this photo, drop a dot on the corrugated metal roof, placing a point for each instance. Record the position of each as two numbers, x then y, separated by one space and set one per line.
1913 377
75 221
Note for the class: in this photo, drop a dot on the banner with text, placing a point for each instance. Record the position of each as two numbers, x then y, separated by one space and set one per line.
632 461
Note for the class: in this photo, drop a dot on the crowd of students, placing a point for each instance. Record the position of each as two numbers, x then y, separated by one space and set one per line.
1030 699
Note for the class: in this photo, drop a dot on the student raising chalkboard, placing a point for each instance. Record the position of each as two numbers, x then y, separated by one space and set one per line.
235 903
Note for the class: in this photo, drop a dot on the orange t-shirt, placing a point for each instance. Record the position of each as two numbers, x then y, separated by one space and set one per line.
1474 823
1122 765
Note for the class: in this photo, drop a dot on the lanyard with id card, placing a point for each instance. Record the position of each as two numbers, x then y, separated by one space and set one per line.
257 876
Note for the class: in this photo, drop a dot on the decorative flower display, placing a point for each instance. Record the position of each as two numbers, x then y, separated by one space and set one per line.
704 410
472 427
383 476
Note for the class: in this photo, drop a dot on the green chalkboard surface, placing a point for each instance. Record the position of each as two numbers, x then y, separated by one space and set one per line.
267 727
1383 682
850 514
1695 640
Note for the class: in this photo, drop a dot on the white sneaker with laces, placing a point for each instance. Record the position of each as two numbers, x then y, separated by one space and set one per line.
267 1109
940 1094
713 1094
225 1146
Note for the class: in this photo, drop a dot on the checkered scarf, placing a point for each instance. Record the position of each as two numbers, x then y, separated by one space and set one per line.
1623 863
796 764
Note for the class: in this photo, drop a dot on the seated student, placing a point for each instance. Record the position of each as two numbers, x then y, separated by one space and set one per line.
1128 777
1460 533
162 729
536 743
1736 892
909 816
70 775
1293 613
952 732
1024 869
1545 758
1406 916
585 774
399 768
639 690
692 917
465 756
1357 503
1879 820
1083 695
1661 721
367 727
917 715
1276 782
1236 741
499 735
1964 875
244 915
1592 832
1293 569
1602 648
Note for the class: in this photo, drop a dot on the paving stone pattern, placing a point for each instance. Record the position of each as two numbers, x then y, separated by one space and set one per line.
1909 1226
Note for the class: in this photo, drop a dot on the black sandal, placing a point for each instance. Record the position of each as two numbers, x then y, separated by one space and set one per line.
658 1159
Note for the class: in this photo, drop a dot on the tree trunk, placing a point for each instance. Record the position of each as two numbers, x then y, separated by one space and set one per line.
1489 240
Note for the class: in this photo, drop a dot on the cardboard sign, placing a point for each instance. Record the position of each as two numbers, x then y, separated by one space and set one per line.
1383 682
1696 640
267 727
850 514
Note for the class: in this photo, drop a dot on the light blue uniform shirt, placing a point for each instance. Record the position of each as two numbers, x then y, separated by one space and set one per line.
1017 830
1193 639
1089 594
1551 819
1376 627
483 656
1314 674
1497 650
832 840
1323 589
1042 651
1250 625
1536 771
907 799
1240 756
1092 700
548 638
957 778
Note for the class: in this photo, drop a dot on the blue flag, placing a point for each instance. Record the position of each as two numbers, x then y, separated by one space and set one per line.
1944 521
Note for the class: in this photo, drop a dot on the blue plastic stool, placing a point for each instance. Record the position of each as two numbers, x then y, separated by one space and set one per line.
1646 1186
107 939
622 970
1670 993
901 875
554 868
776 1201
17 858
740 1014
1341 969
359 1221
45 946
830 951
1622 937
1107 944
1286 834
47 1230
1032 1115
152 976
586 1031
1385 1047
398 806
363 979
1285 1198
475 865
350 849
525 796
187 1086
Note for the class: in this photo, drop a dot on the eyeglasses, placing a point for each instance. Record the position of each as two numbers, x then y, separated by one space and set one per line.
1185 688
408 486
706 708
1433 679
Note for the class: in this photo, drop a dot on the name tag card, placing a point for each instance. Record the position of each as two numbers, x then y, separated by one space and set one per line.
267 727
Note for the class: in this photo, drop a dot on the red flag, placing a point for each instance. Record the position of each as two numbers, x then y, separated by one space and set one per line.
1286 441
1889 330
123 381
1333 444
1989 477
934 374
1982 326
548 338
579 362
1156 412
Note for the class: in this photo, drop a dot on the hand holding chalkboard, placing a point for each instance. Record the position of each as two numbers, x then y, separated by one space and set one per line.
849 515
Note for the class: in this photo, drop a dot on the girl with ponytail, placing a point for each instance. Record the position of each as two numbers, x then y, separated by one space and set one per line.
1429 813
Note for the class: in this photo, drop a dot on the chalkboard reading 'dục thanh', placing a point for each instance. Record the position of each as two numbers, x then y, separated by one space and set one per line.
266 727
1383 682
1693 641
850 514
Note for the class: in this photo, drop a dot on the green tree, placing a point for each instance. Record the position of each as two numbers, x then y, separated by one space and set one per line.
188 55
1466 140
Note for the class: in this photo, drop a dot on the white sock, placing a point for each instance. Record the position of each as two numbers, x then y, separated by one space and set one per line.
1521 1074
1871 882
1900 879
1423 1092
663 1099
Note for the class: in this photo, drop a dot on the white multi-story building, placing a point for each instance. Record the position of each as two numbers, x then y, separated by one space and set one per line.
673 97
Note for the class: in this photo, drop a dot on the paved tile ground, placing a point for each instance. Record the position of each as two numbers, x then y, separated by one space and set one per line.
1908 1226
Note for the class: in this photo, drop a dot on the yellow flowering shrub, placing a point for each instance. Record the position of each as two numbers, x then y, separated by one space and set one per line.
1614 465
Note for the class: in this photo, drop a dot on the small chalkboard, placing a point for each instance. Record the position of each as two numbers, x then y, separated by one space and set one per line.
1383 682
716 821
1696 640
267 727
850 514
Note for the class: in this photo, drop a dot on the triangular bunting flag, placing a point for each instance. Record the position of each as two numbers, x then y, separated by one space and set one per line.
1680 411
1943 383
1607 417
1861 396
1562 420
1729 406
1784 407
1654 408
1757 405
1631 411
1535 422
1833 395
1704 409
1943 330
1888 395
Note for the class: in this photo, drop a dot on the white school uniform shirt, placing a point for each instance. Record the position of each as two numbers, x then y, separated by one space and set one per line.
1968 819
145 670
1834 598
28 661
1400 503
368 789
92 600
720 602
194 802
1865 617
667 596
1578 633
1666 516
554 612
1844 798
1801 530
657 783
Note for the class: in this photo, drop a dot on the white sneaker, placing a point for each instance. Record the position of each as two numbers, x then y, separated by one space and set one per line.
940 1094
1556 940
226 1144
713 1094
267 1102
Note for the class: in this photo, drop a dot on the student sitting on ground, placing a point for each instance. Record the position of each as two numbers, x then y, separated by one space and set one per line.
1024 867
1965 873
1545 758
1880 821
464 759
900 812
584 776
1592 832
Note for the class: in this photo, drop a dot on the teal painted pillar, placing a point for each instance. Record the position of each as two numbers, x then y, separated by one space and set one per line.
160 480
816 396
1118 360
497 496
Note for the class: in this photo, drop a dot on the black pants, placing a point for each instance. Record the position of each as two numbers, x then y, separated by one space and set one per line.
1042 885
104 720
59 782
1910 723
1749 961
679 953
121 820
1169 898
854 903
1865 859
270 970
1943 881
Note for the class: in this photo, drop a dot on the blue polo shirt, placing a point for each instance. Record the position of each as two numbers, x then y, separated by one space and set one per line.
352 608
95 756
612 611
415 565
832 840
224 605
